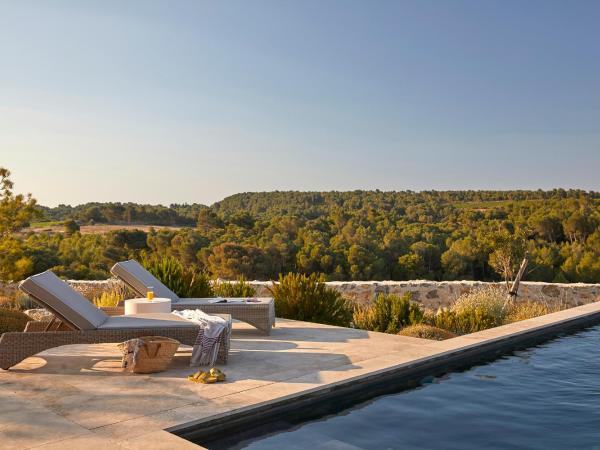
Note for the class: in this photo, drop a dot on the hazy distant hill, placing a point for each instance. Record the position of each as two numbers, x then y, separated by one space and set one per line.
303 204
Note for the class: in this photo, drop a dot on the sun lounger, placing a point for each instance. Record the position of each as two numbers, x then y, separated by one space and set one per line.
259 312
78 321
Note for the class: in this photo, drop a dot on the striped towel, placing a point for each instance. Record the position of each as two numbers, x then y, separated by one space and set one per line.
206 347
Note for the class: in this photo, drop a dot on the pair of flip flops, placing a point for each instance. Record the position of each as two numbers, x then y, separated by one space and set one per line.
211 376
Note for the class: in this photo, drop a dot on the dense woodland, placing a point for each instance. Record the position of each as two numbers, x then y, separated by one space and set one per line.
359 235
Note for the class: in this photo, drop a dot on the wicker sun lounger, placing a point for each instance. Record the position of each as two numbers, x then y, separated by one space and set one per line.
260 312
78 321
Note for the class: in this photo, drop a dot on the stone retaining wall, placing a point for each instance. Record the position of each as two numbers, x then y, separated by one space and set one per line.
430 294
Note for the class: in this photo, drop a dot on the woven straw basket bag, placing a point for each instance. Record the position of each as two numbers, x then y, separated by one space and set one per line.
154 354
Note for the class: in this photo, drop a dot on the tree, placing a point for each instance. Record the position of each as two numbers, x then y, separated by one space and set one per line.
71 226
410 267
16 211
545 262
508 251
230 261
186 245
14 264
208 220
92 215
588 269
548 227
461 258
579 226
429 254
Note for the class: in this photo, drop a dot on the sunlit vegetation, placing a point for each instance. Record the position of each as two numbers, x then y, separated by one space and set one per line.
477 310
359 235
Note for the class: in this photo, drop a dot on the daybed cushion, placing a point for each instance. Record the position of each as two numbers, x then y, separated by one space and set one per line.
153 320
191 302
58 296
139 279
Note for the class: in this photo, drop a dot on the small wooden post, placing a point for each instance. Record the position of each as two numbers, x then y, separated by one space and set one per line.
515 287
512 293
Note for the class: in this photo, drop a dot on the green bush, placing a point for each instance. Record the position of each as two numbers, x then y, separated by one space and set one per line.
424 331
11 320
71 226
308 298
529 309
24 301
17 300
490 301
239 288
388 314
109 298
464 321
186 282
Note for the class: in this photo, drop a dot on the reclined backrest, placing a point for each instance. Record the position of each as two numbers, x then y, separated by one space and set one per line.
61 299
133 274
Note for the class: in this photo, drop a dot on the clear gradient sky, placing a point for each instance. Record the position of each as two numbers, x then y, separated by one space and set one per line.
190 101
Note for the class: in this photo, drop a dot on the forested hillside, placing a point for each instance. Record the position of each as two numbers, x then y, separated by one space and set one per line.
124 213
359 235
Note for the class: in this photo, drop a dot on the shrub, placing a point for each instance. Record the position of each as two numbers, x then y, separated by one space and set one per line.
424 331
109 298
239 288
24 301
489 302
388 314
186 282
11 320
17 301
308 298
7 302
71 226
528 310
464 321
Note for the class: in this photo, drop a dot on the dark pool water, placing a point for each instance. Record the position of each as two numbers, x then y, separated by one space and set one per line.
547 397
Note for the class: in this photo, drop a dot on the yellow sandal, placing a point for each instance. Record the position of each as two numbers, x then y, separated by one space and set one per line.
202 377
214 372
197 375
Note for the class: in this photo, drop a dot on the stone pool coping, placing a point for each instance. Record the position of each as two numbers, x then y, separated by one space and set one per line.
388 374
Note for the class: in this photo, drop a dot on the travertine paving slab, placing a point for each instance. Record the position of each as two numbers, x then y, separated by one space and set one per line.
87 441
24 424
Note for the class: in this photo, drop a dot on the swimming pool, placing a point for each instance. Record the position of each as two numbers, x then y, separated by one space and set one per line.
545 397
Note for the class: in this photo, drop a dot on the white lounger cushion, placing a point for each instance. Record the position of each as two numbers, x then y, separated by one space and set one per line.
154 320
139 279
58 296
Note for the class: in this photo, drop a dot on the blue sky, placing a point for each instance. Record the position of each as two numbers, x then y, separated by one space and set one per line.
164 102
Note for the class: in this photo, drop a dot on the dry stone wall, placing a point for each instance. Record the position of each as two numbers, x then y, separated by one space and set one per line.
430 294
434 294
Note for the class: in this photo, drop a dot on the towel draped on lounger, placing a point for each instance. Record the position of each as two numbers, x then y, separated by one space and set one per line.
206 348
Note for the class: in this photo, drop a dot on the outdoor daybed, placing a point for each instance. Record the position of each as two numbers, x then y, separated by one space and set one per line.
78 321
259 312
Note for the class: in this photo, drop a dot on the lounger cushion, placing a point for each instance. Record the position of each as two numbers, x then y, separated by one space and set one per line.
154 320
230 301
139 279
58 296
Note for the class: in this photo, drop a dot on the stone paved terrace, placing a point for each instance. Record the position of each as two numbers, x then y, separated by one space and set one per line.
76 397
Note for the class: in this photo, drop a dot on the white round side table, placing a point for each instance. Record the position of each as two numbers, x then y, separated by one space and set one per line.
143 306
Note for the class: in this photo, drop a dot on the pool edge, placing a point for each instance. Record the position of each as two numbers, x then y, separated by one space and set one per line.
451 355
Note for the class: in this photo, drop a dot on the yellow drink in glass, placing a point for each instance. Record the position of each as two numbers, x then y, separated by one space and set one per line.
150 294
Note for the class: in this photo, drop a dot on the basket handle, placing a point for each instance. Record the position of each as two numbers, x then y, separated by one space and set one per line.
155 353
